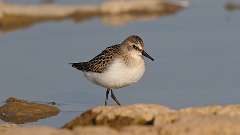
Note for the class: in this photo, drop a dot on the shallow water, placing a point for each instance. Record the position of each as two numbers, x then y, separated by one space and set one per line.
196 53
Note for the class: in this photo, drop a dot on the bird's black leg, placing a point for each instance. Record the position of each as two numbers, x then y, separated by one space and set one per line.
114 98
106 99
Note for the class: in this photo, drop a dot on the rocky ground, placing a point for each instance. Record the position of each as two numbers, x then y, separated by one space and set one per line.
21 111
142 119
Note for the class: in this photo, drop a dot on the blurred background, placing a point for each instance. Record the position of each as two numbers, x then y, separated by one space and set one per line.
195 45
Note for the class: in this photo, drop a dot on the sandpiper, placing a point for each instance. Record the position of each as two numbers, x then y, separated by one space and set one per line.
117 66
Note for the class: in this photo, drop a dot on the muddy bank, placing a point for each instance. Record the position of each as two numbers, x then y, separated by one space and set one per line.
21 111
143 119
13 17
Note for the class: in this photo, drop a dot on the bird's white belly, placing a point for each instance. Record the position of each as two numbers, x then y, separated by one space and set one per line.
118 75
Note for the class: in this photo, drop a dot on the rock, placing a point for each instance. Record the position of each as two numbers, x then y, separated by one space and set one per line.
104 130
5 127
134 120
140 130
202 125
229 111
89 130
117 117
97 130
20 111
36 131
210 120
142 119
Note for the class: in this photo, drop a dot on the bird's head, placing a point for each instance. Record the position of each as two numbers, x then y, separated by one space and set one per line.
134 46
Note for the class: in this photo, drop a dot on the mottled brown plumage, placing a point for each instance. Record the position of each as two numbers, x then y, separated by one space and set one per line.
99 63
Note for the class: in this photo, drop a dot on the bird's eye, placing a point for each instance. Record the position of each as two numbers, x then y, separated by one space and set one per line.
135 47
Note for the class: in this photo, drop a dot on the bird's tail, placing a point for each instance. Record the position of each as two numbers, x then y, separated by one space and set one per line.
79 66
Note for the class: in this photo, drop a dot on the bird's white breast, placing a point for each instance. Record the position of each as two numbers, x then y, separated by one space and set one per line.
118 74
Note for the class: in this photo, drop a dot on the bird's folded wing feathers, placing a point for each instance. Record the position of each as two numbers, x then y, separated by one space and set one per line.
99 63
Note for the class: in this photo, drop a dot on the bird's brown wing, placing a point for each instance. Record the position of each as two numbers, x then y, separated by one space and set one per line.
99 63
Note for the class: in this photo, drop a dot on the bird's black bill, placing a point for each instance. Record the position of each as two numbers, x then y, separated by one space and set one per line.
146 55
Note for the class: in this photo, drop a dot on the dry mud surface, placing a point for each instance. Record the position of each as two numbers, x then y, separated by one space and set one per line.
142 119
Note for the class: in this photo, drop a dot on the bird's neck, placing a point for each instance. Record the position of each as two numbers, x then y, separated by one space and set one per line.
133 60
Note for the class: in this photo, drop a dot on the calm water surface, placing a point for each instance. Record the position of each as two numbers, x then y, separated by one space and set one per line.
196 51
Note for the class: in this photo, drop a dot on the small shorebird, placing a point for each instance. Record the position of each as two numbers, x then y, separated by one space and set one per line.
117 66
